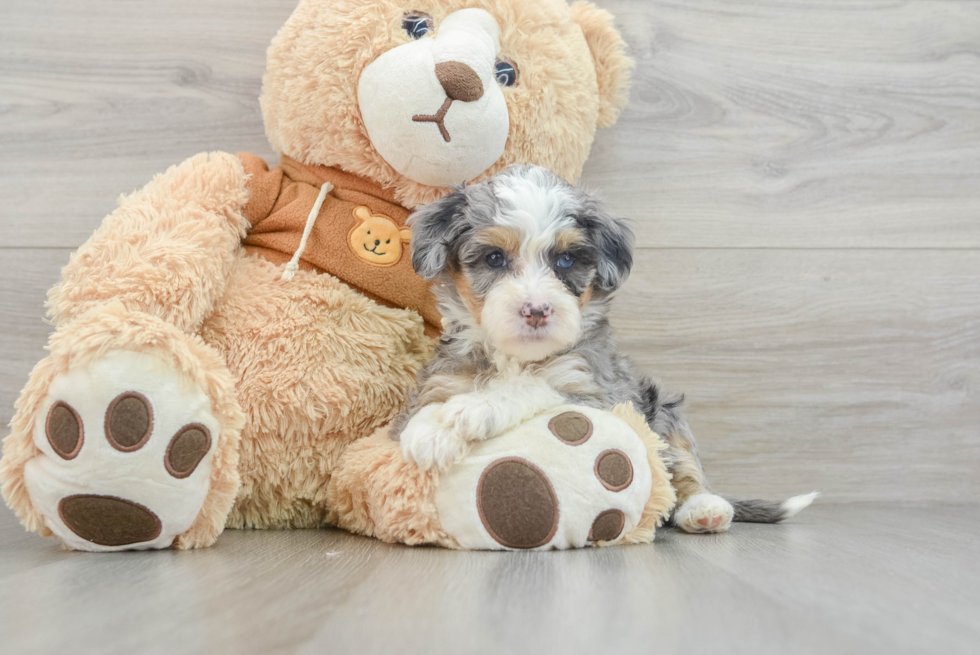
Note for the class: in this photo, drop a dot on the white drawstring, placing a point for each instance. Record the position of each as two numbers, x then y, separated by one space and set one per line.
293 264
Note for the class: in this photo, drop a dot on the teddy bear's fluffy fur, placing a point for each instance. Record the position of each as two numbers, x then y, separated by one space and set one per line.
301 374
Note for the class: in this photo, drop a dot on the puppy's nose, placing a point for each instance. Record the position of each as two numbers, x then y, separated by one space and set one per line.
459 81
536 315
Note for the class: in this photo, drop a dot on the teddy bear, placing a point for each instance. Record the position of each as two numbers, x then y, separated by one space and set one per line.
232 342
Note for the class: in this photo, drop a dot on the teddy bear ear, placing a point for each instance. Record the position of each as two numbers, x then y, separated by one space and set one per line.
609 54
405 234
362 213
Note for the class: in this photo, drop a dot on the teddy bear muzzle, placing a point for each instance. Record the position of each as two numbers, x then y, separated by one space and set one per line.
433 108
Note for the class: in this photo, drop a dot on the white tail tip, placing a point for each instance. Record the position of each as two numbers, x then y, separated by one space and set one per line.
796 504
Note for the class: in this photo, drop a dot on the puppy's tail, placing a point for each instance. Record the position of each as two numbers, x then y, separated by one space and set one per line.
770 511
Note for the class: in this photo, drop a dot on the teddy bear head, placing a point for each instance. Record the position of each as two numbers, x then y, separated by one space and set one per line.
421 95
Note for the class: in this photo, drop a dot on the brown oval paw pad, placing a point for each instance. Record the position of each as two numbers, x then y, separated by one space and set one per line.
607 526
517 503
63 428
128 421
571 427
186 450
109 521
614 470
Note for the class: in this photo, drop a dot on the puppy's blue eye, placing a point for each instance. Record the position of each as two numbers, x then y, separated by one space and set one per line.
565 261
506 72
496 259
417 24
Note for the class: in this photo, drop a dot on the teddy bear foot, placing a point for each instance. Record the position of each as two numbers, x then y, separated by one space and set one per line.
125 437
570 477
125 445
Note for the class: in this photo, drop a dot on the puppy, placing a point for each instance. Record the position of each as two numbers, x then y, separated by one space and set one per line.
525 266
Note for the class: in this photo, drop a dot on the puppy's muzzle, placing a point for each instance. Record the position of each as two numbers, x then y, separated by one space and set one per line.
536 315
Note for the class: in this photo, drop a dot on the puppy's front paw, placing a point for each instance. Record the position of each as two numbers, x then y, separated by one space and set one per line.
468 415
427 443
705 513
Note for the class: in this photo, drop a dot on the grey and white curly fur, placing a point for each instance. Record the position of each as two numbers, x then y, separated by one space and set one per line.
525 267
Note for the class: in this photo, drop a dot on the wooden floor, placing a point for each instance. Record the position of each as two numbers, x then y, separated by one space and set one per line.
804 177
864 578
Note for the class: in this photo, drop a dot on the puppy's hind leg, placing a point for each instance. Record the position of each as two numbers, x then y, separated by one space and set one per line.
697 509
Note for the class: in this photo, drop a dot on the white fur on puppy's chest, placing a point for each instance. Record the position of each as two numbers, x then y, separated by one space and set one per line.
544 464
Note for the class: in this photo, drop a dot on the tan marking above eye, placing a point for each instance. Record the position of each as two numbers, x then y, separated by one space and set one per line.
567 239
506 238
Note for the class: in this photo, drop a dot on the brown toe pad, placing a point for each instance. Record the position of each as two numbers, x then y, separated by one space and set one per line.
571 427
108 520
64 431
128 421
517 503
608 525
186 450
614 470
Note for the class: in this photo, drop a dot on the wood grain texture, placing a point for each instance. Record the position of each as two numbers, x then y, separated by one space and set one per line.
798 123
783 123
865 578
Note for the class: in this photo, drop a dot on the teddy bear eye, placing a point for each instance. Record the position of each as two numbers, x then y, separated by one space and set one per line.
417 24
506 72
388 241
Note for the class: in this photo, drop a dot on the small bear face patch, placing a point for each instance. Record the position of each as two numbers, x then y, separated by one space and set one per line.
377 239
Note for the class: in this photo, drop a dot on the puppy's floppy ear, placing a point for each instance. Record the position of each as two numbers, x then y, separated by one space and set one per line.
613 240
434 228
609 54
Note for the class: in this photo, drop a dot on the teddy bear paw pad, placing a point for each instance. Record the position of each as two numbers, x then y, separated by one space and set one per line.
528 489
125 454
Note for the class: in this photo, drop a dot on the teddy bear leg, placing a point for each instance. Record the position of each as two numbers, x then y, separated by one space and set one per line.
567 478
318 367
376 493
125 437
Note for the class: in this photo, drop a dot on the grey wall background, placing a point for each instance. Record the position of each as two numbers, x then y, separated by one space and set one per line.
804 177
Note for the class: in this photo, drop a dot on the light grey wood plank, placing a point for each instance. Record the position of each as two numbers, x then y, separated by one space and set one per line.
838 579
856 372
853 372
100 96
23 328
798 123
754 124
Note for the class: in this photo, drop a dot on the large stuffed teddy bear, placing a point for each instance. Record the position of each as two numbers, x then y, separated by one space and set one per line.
232 341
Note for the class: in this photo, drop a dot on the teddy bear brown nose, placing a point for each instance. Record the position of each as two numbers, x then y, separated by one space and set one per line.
459 81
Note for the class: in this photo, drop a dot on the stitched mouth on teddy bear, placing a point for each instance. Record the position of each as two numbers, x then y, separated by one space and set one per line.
438 118
374 251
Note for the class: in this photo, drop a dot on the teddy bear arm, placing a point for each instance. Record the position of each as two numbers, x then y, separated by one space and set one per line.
168 248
